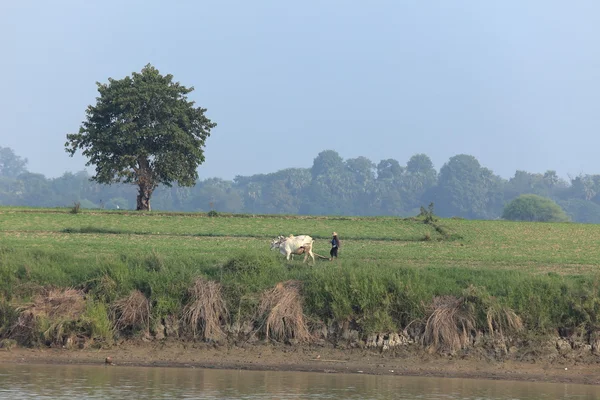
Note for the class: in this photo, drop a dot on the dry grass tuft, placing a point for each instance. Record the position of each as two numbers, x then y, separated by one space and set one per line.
206 310
50 312
503 320
280 312
132 312
448 326
61 303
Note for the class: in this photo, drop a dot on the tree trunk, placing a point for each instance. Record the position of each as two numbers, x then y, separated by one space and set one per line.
145 184
143 197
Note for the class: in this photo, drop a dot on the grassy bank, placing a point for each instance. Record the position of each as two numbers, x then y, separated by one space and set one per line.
211 278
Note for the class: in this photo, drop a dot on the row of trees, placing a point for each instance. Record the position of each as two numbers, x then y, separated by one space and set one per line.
332 186
144 134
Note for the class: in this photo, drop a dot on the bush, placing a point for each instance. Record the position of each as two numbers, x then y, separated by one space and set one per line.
531 207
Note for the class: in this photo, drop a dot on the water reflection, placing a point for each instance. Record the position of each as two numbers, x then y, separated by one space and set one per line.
117 382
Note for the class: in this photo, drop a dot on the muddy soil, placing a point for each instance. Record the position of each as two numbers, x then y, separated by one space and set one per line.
309 358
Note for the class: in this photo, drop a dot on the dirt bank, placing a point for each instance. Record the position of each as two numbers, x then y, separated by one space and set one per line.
308 358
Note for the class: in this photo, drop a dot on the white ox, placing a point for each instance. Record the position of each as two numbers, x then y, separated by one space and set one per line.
291 245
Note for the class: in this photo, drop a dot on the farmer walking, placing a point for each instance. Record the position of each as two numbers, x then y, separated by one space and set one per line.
335 246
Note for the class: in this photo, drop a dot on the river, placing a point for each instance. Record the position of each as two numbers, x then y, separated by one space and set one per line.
19 381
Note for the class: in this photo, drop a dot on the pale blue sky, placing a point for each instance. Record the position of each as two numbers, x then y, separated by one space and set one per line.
514 83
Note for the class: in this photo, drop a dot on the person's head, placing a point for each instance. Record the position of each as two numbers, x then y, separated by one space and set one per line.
334 233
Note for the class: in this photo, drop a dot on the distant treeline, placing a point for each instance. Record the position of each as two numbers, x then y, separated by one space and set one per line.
332 186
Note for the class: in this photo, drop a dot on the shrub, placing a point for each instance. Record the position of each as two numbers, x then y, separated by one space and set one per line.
427 214
531 207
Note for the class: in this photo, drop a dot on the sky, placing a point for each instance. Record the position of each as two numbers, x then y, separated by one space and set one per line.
514 83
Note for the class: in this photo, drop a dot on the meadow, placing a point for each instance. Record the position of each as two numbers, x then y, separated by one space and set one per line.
388 273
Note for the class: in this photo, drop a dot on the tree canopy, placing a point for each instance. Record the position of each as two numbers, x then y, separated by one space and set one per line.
467 189
11 165
531 207
143 130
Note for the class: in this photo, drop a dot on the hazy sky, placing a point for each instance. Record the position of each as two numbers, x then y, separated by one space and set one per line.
514 83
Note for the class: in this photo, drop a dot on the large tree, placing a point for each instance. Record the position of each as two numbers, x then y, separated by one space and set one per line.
11 165
143 130
468 190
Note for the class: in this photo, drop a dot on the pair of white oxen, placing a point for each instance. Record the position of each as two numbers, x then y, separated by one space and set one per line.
290 245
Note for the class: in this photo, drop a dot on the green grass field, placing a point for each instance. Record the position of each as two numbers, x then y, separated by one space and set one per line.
560 248
389 268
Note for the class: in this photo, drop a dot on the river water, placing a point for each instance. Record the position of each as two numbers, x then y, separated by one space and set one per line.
115 382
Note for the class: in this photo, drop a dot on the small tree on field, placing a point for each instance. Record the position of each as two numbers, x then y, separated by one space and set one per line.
531 207
143 130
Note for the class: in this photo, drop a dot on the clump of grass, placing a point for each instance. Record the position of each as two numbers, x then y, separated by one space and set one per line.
59 302
281 315
24 329
132 312
97 322
104 288
502 319
448 326
8 317
51 317
206 310
499 319
57 313
250 263
154 262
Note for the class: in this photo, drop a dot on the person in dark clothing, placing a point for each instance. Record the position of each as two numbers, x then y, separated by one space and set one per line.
335 246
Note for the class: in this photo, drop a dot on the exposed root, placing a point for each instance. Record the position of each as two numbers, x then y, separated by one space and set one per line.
206 310
281 314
